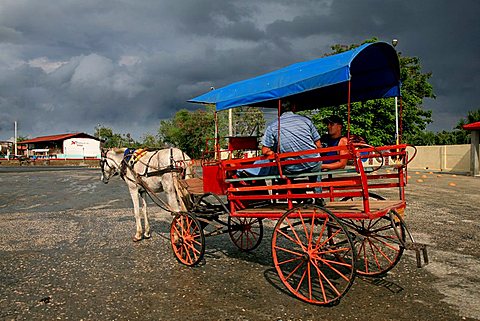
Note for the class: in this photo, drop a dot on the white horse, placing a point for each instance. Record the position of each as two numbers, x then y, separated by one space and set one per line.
153 172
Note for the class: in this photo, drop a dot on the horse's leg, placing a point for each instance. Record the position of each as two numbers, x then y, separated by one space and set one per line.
136 212
146 233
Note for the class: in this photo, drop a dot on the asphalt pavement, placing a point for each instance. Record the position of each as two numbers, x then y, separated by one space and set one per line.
66 253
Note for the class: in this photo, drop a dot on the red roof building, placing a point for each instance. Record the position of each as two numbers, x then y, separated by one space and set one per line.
71 145
54 138
472 126
474 147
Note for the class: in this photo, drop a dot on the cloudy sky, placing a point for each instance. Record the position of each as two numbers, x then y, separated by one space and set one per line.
68 65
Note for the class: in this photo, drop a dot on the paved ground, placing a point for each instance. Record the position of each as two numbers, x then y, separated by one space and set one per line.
66 253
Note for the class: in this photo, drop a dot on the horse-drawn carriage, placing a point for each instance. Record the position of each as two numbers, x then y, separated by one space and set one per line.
317 250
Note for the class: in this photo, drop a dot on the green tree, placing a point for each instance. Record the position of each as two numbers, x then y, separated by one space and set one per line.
188 131
457 136
110 139
151 141
21 138
463 136
460 135
248 121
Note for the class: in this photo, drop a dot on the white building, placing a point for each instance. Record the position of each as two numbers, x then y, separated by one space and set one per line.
73 145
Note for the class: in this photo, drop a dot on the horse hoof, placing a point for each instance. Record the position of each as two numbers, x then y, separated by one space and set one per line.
147 236
136 239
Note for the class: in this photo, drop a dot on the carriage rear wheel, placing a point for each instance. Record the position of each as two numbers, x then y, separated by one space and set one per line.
245 233
379 244
187 239
307 244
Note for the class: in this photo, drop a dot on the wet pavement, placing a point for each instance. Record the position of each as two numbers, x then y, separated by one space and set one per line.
66 253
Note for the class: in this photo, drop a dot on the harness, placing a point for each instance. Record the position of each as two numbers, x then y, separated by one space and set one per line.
132 156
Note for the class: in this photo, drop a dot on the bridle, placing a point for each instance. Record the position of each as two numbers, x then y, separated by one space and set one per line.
112 170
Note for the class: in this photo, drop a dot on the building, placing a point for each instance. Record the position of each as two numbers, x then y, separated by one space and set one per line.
5 149
73 145
474 128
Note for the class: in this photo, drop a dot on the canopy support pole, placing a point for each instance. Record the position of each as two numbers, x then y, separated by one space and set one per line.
278 119
401 117
397 138
348 111
217 139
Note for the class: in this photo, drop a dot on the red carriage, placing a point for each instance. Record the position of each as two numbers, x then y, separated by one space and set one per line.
317 250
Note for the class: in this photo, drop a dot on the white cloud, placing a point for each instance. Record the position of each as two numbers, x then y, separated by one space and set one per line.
129 60
45 64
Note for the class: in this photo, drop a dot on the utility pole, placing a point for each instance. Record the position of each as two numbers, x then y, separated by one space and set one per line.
15 139
397 137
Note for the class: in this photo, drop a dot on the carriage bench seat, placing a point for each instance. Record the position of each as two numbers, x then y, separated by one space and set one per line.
335 172
193 185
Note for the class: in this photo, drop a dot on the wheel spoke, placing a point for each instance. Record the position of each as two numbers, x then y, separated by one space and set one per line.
294 270
380 238
291 239
322 231
295 233
290 260
288 251
330 238
380 251
322 275
301 280
327 263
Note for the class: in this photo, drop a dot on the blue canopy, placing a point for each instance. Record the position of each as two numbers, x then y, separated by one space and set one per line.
372 69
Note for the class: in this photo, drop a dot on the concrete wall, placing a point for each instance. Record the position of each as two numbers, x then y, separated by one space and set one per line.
447 158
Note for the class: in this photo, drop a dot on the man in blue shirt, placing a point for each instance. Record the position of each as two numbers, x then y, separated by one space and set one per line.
297 133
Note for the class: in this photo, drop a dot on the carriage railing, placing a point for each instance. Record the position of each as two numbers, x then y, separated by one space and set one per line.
355 181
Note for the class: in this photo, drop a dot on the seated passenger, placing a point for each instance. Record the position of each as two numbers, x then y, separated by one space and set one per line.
297 133
334 138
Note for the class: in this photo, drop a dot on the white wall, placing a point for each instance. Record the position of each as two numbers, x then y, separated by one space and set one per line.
81 147
448 158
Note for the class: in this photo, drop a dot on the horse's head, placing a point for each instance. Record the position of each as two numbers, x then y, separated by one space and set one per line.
110 164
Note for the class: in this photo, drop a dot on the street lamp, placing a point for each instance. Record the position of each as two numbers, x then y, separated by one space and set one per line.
397 137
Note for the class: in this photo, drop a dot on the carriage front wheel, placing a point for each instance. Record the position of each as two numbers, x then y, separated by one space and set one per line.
245 232
314 255
187 239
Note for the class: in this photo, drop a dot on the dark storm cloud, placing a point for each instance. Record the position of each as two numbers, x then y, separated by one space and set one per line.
70 65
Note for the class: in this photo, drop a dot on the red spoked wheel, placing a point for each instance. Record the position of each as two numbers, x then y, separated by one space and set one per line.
187 239
307 244
379 244
245 233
